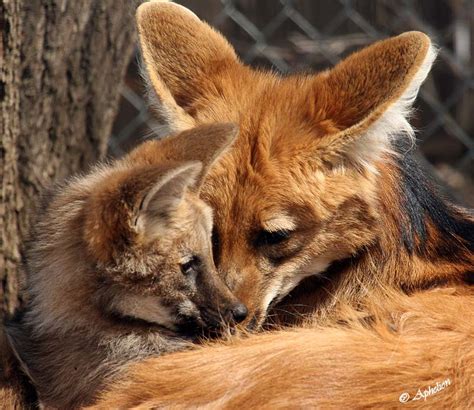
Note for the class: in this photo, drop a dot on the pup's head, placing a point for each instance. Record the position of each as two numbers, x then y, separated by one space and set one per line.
134 241
151 239
302 186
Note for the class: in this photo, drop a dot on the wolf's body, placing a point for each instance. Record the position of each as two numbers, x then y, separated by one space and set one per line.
118 266
411 344
320 208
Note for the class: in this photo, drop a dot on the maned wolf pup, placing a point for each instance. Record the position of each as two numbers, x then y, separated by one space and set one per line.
119 265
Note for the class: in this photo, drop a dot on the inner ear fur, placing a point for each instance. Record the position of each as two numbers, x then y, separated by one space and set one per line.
182 57
127 195
368 96
162 199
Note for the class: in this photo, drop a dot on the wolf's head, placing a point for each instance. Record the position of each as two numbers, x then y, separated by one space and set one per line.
301 188
130 243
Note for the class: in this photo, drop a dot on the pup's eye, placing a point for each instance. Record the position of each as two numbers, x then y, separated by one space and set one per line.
190 266
267 238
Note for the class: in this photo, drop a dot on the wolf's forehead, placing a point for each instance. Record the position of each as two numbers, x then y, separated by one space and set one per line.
239 191
269 100
275 129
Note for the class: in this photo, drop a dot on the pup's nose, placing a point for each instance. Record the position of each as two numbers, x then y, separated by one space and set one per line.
239 312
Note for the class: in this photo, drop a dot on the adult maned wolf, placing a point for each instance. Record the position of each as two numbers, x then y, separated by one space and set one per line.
322 216
120 268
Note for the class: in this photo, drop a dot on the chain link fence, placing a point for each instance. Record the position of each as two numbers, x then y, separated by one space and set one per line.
296 35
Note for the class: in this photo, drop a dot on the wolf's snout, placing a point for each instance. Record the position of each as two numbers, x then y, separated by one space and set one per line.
239 312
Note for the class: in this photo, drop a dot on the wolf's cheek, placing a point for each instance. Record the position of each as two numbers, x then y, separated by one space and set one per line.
289 275
262 285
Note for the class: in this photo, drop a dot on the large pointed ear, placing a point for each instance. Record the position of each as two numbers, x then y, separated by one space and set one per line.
163 198
130 204
183 58
368 96
205 144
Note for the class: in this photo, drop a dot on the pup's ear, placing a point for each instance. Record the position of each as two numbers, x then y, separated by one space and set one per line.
163 199
130 204
183 59
368 96
205 144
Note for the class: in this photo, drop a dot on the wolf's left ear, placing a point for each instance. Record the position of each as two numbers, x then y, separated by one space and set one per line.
368 96
184 60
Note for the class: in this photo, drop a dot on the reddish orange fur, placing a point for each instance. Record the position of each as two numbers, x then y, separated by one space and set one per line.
316 149
331 367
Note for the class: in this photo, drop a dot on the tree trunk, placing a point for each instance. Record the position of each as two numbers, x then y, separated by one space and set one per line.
61 64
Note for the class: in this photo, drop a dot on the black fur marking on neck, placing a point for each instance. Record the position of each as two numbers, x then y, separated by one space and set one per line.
422 203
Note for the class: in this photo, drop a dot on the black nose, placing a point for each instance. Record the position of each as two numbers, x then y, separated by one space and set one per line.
239 312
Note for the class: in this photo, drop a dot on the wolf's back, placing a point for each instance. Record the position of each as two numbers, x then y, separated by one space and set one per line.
421 354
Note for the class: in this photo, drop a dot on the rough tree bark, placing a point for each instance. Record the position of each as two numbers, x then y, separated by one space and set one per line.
61 64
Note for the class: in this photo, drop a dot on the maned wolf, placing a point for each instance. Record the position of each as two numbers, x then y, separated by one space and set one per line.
119 268
320 208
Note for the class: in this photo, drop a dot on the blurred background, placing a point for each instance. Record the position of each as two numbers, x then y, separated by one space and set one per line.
299 35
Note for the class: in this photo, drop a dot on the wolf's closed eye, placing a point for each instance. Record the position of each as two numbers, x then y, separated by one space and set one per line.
215 245
267 238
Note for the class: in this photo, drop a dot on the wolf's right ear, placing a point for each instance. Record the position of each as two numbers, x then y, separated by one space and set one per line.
183 60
